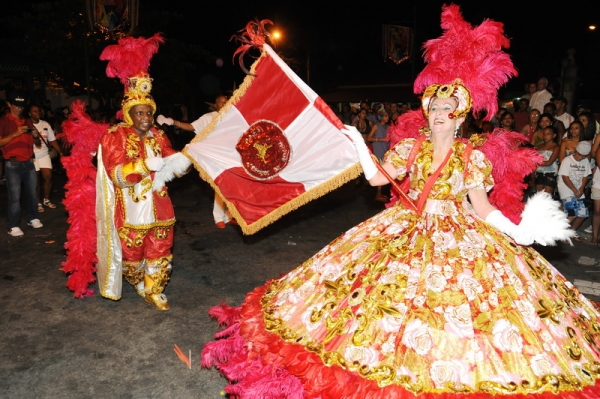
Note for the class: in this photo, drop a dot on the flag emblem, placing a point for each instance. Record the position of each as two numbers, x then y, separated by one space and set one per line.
264 149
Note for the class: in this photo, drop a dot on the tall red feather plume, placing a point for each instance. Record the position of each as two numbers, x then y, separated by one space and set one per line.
130 56
253 36
473 55
83 135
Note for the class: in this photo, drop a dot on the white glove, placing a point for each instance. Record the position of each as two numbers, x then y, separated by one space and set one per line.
154 163
502 223
175 165
161 120
364 155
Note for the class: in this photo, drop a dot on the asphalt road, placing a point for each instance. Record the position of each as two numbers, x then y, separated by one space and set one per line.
56 346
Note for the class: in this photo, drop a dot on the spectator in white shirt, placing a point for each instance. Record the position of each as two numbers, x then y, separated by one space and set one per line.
542 96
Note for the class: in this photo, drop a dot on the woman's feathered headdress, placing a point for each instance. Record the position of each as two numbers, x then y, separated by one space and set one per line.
469 56
129 61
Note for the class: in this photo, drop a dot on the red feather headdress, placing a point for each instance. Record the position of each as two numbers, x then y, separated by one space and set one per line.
129 61
473 55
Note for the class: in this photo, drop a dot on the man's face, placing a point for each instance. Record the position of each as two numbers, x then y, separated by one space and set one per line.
35 113
559 104
541 84
549 109
141 116
16 110
393 107
220 102
523 104
578 157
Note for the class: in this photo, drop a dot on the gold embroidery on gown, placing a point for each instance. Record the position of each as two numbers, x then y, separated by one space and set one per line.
439 302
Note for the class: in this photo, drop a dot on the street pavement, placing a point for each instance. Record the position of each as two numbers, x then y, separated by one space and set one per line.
57 346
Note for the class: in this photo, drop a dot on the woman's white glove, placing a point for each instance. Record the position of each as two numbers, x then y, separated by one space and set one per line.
161 120
364 155
502 223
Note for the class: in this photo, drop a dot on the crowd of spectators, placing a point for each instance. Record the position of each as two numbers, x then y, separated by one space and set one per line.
568 143
541 114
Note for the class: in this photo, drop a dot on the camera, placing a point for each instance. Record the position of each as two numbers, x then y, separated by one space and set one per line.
29 130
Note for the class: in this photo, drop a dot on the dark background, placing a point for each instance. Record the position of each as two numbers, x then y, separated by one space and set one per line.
340 43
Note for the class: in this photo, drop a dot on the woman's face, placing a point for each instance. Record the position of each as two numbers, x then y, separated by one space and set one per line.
548 135
545 121
534 117
583 119
575 129
439 110
507 121
362 114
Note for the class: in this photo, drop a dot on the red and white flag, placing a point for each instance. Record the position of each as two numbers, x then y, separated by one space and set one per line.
275 146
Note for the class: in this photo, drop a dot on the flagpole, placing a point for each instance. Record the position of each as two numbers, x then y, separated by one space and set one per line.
406 199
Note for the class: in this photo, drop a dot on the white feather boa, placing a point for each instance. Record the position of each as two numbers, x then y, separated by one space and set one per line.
175 165
544 218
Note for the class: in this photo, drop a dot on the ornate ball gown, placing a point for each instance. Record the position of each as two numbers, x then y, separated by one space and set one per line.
404 305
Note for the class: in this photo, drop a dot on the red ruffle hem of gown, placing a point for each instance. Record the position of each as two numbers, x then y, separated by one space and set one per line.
275 369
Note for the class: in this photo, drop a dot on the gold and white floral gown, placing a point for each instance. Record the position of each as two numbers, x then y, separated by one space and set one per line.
432 304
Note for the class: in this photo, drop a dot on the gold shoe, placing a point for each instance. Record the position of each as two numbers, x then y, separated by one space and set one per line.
158 300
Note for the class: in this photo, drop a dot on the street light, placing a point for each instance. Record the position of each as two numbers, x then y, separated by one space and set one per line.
275 36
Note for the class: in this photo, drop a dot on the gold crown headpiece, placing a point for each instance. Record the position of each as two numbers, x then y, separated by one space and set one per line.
456 90
138 93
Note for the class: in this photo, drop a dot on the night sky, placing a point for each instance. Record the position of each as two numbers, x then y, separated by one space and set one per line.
343 43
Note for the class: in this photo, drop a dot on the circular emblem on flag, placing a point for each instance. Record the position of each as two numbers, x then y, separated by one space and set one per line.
264 149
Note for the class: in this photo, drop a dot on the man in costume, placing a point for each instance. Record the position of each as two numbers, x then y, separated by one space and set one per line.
135 217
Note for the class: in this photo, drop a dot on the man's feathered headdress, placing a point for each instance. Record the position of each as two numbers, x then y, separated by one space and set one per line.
129 61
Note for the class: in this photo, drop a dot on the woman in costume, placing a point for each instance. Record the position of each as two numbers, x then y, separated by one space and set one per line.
436 297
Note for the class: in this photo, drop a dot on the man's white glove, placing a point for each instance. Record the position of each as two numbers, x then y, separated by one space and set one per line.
502 223
154 163
161 120
364 155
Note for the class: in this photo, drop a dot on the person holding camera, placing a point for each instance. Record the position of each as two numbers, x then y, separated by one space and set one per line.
17 138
